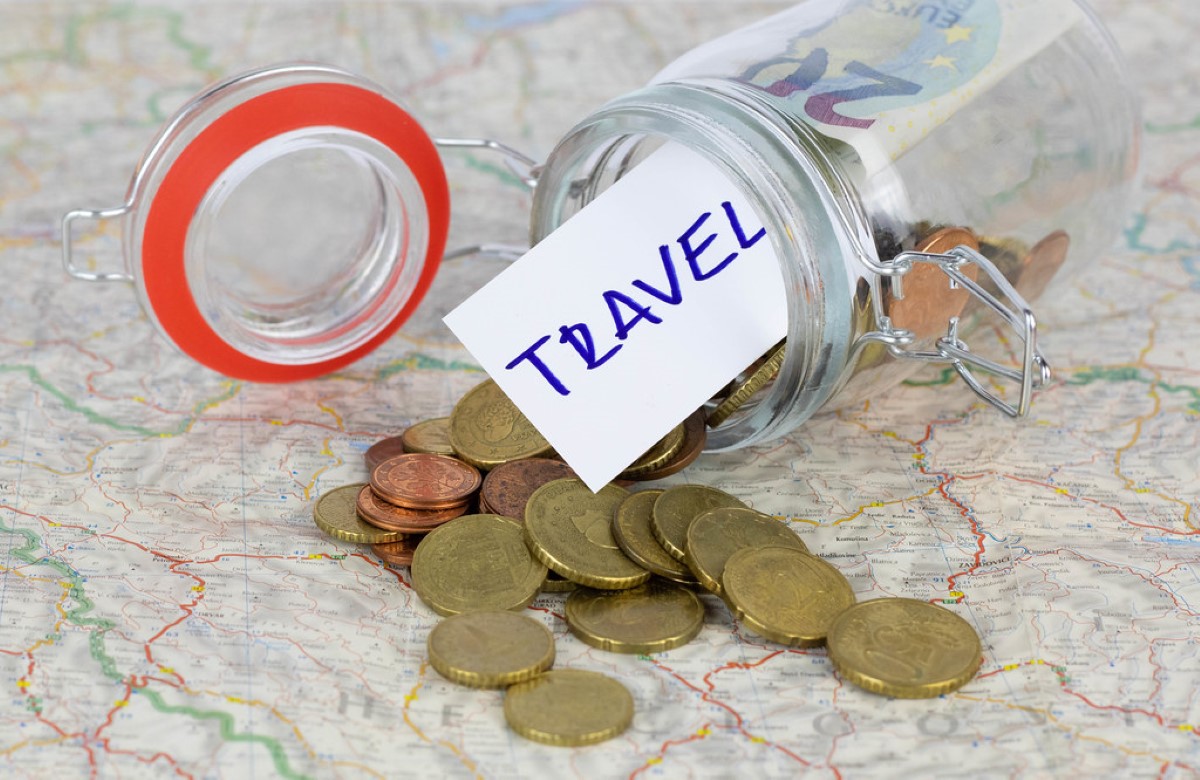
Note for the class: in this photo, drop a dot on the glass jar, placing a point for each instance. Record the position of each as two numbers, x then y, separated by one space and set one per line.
920 167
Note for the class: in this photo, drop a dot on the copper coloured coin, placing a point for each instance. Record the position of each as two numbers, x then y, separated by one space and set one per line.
398 553
419 480
507 488
1041 264
928 302
383 450
381 514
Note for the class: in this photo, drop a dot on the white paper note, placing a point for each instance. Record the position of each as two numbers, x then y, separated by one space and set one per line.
632 314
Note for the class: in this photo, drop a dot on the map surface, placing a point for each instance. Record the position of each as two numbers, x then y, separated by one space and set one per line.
168 608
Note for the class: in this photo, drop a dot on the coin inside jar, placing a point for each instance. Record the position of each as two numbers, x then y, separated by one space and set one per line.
929 302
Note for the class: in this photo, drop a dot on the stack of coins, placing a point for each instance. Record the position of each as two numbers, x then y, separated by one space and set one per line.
414 493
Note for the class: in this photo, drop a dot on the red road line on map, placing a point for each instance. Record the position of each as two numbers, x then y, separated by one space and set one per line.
662 750
741 723
148 760
121 702
1131 710
965 511
1109 507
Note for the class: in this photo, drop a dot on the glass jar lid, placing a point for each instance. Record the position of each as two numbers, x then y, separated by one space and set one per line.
283 223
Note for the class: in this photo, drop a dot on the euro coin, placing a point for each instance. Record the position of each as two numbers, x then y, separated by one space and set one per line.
658 455
631 531
677 507
335 514
421 481
382 514
429 436
568 708
1041 264
507 488
650 618
695 435
399 553
487 429
718 533
929 302
382 450
569 528
784 594
904 648
753 384
490 649
476 563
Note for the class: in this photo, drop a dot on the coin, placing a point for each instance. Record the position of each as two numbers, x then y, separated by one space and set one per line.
1041 264
784 594
382 514
677 507
490 649
507 488
905 648
556 583
754 383
650 618
476 563
569 528
429 436
487 429
334 513
382 450
695 435
398 553
718 533
568 708
631 531
928 302
658 455
422 481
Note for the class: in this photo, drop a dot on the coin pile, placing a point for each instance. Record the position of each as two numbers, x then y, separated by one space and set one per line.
631 562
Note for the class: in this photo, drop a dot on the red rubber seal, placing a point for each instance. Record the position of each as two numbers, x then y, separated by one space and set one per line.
216 148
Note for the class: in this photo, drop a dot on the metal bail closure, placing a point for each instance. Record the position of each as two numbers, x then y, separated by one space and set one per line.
68 244
962 265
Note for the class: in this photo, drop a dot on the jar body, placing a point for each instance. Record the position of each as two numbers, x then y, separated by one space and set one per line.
859 130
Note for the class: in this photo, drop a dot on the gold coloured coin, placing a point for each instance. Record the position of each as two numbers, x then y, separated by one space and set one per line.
487 429
335 514
904 648
490 649
431 437
784 594
695 435
677 507
568 708
650 618
718 533
555 583
755 382
658 455
476 563
631 530
569 528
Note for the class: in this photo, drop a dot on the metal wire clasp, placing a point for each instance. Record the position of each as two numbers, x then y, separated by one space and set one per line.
68 245
1033 370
